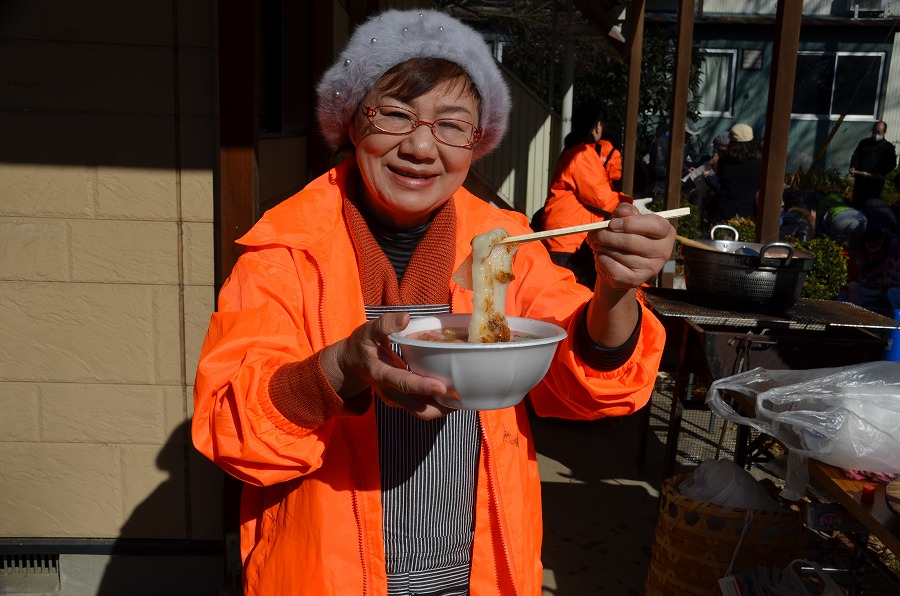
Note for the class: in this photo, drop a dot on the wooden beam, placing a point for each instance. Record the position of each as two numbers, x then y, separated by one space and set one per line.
236 188
234 197
635 44
788 19
595 15
322 51
681 86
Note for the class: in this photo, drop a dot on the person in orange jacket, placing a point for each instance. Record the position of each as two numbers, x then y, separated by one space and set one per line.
356 481
582 188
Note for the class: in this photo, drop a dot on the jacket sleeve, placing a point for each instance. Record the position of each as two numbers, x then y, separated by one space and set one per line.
570 388
592 185
256 330
614 165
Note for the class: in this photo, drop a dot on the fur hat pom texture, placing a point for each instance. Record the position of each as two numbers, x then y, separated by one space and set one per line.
392 37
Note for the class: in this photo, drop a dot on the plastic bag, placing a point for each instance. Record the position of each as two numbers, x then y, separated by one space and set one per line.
725 483
847 416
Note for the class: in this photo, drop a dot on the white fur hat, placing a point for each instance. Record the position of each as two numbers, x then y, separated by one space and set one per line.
392 37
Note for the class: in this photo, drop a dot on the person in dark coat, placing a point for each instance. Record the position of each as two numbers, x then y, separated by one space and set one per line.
658 164
739 170
870 163
796 224
798 216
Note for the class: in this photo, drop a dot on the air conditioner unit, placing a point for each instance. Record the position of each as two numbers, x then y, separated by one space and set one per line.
867 8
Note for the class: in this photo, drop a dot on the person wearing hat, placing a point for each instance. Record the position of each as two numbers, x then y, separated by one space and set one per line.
738 174
356 481
719 145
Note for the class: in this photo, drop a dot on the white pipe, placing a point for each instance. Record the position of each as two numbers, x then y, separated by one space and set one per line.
568 89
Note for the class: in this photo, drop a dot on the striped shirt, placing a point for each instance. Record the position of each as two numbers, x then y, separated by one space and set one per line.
428 478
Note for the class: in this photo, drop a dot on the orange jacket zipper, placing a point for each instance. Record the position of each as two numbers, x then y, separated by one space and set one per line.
488 466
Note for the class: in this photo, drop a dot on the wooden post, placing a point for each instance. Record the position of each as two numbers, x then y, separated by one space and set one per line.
788 19
679 107
236 184
635 46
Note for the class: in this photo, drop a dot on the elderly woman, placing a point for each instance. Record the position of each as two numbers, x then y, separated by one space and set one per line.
356 480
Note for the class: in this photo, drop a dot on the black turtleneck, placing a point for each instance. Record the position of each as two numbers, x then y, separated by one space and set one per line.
398 245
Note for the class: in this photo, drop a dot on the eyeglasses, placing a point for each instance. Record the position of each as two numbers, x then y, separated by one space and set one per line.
395 120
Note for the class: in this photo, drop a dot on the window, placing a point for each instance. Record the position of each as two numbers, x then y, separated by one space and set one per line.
715 93
830 84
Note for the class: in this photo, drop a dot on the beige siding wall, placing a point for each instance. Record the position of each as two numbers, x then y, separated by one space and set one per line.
106 267
521 178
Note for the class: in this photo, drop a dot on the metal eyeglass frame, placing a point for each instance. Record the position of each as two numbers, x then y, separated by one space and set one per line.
371 111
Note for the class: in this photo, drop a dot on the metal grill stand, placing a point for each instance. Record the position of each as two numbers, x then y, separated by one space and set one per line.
711 344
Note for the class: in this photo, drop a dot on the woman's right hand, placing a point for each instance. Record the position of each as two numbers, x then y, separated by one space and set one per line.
365 359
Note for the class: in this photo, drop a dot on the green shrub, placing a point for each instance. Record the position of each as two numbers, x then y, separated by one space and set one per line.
826 181
745 226
823 181
829 272
890 194
688 225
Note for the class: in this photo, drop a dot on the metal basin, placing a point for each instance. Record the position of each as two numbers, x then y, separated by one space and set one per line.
745 276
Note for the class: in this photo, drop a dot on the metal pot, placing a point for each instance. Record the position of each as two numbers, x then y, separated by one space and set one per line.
733 275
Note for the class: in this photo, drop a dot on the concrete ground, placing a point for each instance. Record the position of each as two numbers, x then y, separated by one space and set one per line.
599 512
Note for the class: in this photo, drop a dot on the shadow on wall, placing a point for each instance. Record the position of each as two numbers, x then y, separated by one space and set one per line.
155 553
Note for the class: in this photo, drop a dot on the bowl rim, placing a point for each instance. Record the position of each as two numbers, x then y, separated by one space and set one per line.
555 333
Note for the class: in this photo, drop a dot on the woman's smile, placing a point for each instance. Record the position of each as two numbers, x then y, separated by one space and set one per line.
411 174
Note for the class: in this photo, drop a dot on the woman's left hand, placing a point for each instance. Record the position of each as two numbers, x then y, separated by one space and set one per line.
633 249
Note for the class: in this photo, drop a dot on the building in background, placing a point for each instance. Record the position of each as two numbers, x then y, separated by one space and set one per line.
848 69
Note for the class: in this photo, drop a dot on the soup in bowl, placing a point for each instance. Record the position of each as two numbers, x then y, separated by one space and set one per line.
481 376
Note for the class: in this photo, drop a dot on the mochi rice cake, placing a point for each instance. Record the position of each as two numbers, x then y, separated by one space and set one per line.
491 274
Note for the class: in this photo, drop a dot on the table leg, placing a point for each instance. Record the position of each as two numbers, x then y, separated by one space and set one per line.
860 544
741 445
678 392
643 432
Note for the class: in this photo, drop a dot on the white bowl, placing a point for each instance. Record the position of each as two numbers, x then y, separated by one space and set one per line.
481 376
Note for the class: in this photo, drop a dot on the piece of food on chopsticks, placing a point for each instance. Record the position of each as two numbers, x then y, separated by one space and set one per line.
491 274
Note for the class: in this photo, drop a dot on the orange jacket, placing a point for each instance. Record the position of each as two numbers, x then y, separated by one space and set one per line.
311 506
580 179
611 158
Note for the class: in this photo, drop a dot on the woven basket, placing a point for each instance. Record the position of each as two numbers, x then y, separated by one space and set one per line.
695 542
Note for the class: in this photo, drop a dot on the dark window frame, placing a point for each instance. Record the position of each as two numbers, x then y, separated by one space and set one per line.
833 65
731 83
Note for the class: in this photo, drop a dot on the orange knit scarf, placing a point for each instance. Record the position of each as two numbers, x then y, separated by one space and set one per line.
427 276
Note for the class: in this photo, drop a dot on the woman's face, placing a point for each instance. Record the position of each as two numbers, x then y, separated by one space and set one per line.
408 177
